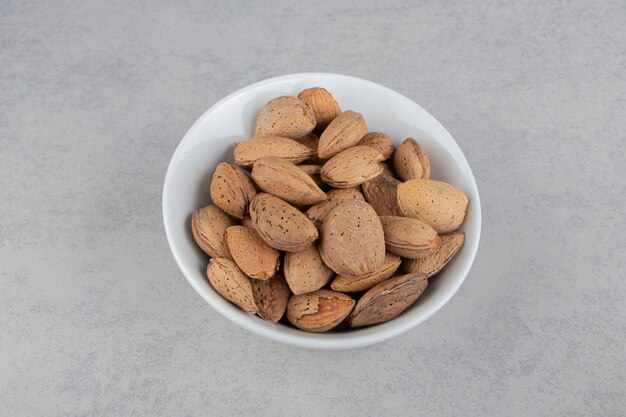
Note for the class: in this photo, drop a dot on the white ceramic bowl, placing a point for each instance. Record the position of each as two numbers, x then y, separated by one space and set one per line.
209 141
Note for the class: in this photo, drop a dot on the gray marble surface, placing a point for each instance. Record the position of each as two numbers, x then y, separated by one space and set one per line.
96 319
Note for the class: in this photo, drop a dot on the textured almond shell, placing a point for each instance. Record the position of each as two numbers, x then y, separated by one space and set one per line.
365 282
410 161
231 283
271 297
409 238
319 311
352 167
305 271
352 241
388 300
379 141
323 104
285 116
439 204
344 131
382 193
232 189
318 212
246 153
208 226
387 171
251 254
247 221
281 225
285 180
431 265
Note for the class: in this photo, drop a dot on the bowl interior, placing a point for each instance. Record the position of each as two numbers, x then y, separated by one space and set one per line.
209 141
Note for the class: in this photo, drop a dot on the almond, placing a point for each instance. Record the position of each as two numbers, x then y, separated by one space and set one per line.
431 265
251 254
318 212
285 116
312 141
232 189
352 167
319 311
208 226
410 161
382 193
281 225
305 271
323 104
271 297
409 238
352 241
231 283
387 171
344 131
365 282
379 141
439 204
388 299
285 180
249 151
247 222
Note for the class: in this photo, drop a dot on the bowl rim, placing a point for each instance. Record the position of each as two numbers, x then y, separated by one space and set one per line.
311 340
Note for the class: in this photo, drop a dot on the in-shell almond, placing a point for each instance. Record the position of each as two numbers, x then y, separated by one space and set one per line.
387 171
253 256
352 241
410 161
281 225
232 189
319 311
208 226
323 104
318 212
388 299
231 283
305 271
285 180
285 116
365 282
249 151
439 204
382 193
431 265
352 167
409 238
344 131
247 221
379 141
271 297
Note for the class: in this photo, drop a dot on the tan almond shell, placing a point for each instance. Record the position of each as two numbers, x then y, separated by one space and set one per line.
379 141
271 297
388 300
246 153
352 167
318 212
285 116
365 282
232 189
345 131
252 255
312 141
410 161
323 104
281 225
319 311
431 265
247 221
439 204
231 283
382 193
387 171
208 227
313 171
305 271
409 238
287 181
352 239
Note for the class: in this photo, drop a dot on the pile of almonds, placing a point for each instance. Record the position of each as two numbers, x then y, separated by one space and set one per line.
318 227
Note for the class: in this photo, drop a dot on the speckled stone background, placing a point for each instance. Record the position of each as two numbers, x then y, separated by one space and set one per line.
96 319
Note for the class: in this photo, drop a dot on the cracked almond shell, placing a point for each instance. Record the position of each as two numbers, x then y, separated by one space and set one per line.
271 297
319 311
